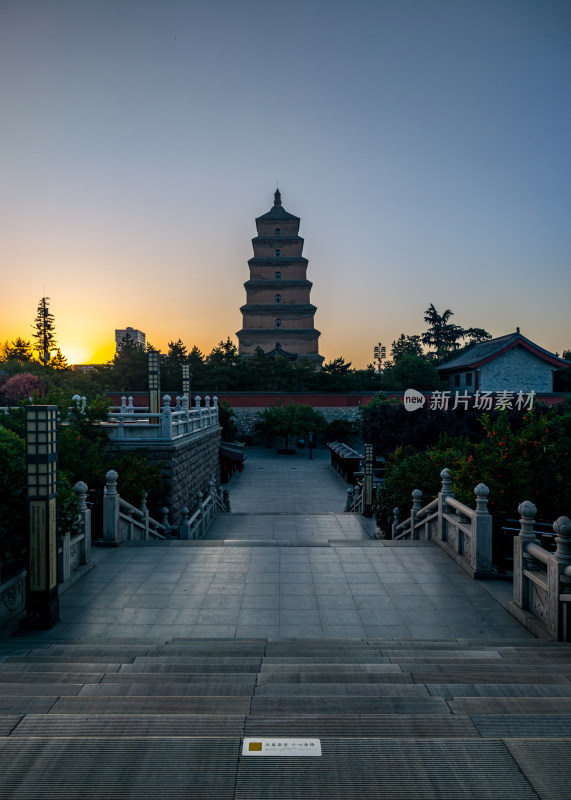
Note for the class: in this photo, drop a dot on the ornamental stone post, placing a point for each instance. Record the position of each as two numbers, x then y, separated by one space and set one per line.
442 507
416 506
526 536
111 503
396 521
481 550
80 489
184 527
561 624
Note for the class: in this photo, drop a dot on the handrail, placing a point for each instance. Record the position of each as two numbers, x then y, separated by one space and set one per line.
538 552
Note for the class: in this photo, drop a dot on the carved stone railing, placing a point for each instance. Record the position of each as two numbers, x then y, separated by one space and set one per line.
355 499
75 547
462 532
133 423
123 522
542 580
74 551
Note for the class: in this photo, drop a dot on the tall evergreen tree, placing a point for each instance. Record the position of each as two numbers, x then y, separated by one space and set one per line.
44 327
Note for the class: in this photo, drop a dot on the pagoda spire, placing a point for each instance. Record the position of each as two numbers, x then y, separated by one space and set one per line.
277 198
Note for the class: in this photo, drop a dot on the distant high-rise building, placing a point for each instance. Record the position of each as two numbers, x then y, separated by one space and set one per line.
138 337
278 317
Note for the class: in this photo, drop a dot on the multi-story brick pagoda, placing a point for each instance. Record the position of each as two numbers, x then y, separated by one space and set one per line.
278 317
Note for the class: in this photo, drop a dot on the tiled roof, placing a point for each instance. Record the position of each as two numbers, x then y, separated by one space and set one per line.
486 351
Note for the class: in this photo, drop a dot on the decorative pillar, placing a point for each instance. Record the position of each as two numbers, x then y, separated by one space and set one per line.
80 489
368 504
186 379
396 521
559 581
416 506
481 549
111 504
41 468
154 386
446 479
526 536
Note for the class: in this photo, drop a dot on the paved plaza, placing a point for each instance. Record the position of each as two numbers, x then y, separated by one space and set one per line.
296 574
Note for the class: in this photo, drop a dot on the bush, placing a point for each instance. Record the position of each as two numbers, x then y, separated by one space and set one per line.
22 387
12 499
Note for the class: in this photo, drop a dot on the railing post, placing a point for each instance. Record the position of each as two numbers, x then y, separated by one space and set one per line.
396 521
198 407
416 506
215 408
65 563
130 407
111 502
226 499
442 509
526 536
80 489
145 511
559 582
166 418
206 411
350 498
184 527
481 545
166 523
123 409
200 518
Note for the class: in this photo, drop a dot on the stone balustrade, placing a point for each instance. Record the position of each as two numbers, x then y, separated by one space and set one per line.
124 522
135 423
462 532
542 580
75 547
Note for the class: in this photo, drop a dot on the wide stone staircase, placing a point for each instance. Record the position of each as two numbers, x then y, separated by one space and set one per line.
394 719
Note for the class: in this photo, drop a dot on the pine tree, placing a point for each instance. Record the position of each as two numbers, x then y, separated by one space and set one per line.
44 327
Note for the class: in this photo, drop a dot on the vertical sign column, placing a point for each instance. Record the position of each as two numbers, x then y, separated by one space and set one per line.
154 386
368 504
186 380
41 470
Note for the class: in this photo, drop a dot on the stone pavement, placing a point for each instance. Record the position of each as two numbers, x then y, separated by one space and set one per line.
297 575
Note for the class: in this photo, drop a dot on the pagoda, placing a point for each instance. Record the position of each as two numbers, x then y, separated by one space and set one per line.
278 317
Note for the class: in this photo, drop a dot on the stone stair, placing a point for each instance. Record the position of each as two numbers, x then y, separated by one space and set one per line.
395 719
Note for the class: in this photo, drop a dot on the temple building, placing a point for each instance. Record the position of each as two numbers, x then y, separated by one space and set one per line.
278 317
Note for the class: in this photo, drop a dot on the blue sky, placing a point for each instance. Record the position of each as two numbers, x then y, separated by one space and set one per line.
424 144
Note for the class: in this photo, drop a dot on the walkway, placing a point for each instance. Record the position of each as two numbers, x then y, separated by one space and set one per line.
261 574
175 665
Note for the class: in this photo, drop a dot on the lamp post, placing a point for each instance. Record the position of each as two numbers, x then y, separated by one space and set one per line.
368 504
41 471
186 380
310 443
154 386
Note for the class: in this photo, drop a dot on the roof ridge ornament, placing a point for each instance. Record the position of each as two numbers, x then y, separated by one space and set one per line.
277 198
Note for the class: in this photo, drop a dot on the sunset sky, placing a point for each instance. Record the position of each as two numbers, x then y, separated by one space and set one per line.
425 144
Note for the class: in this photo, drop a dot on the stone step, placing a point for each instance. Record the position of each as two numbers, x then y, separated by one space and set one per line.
510 705
128 725
152 704
475 690
327 704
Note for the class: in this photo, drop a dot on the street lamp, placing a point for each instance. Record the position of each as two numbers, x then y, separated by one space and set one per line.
41 475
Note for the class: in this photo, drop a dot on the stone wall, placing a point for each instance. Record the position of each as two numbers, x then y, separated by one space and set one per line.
186 464
516 370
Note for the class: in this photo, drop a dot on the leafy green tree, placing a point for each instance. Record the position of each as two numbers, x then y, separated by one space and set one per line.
18 350
475 336
44 331
58 360
12 498
411 372
406 345
285 421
